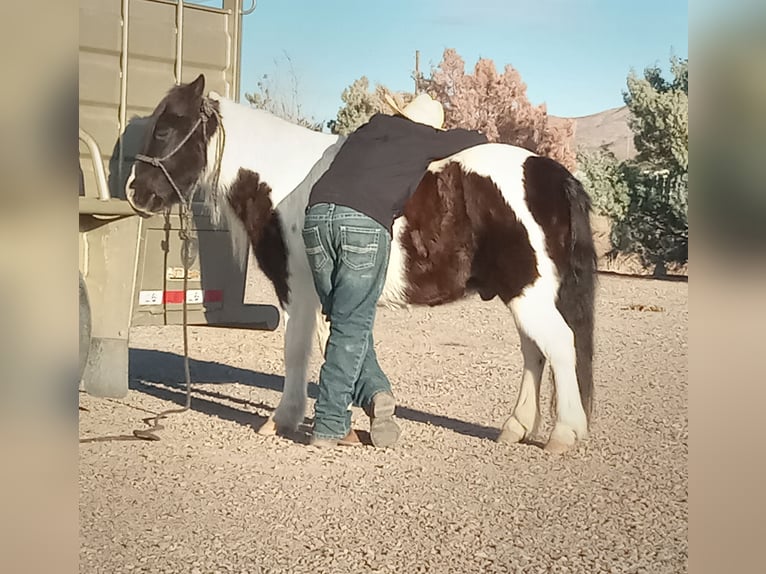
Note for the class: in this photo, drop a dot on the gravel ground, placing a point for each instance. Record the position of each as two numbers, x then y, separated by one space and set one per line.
214 496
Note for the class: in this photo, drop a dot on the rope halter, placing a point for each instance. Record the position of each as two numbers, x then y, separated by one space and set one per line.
206 112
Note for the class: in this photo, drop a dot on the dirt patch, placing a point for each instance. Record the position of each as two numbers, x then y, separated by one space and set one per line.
213 496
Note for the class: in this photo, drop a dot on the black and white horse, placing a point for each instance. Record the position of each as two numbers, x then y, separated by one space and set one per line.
495 219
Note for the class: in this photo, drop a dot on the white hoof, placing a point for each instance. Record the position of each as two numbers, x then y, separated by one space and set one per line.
561 440
579 425
268 428
513 432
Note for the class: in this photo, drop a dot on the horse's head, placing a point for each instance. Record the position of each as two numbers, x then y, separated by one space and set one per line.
174 153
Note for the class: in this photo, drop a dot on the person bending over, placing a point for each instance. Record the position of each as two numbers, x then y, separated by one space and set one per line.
347 234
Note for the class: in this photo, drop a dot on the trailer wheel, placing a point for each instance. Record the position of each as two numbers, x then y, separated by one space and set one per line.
85 325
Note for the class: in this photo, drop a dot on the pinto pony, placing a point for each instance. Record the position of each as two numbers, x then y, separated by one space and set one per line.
494 219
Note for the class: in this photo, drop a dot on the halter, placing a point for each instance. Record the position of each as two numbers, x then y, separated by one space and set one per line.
206 112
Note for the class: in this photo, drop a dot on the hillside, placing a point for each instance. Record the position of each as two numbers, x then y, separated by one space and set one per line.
609 127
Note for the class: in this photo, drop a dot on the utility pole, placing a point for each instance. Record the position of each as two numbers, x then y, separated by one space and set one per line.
417 72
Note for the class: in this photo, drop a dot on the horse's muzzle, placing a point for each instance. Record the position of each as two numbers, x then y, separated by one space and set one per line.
130 194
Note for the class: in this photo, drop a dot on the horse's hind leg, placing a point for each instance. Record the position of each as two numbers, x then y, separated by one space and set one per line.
537 316
526 413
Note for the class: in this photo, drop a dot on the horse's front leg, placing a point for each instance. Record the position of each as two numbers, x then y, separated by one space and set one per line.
299 331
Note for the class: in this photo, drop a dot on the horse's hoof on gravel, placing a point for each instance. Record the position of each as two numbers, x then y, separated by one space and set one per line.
268 428
509 437
557 447
287 417
561 441
512 432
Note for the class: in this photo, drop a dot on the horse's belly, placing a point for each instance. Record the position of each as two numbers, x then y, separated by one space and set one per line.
416 277
396 286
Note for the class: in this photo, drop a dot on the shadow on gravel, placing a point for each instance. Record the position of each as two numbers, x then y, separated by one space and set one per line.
162 367
158 373
455 425
672 278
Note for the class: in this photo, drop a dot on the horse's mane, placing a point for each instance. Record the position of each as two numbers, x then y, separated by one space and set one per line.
290 207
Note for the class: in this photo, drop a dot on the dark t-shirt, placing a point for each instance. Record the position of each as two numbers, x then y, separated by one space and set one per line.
381 164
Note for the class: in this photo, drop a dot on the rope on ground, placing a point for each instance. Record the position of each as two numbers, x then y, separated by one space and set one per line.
185 216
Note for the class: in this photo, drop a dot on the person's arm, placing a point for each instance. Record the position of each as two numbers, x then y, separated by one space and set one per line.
449 142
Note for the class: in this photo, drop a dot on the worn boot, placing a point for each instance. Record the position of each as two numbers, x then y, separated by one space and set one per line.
351 439
384 431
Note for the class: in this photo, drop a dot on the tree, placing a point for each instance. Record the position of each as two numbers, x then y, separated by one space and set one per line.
646 198
274 98
361 104
655 223
660 117
497 105
603 176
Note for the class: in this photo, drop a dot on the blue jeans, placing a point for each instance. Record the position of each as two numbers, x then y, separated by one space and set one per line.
348 255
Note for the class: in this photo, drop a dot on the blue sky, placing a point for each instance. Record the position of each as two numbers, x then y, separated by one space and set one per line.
574 55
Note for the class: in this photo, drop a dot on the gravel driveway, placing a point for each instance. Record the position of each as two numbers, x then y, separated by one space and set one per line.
214 496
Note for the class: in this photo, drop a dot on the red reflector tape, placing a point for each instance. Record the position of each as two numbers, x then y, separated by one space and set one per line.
194 296
173 297
214 296
177 297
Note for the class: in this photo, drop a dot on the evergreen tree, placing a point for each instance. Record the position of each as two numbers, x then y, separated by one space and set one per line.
655 224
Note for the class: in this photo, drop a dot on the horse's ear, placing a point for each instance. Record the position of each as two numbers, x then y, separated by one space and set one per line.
198 86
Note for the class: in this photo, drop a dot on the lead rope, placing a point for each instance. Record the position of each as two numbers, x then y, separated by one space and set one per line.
185 215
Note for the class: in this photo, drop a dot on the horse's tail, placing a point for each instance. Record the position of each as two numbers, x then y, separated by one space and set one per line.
578 285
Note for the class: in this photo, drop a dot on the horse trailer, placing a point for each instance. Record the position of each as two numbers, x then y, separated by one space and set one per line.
132 267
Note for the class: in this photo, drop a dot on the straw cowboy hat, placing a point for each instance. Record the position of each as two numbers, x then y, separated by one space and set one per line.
423 110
